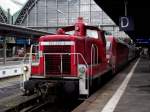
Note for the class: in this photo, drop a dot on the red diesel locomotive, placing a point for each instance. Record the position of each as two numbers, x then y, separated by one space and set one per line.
75 57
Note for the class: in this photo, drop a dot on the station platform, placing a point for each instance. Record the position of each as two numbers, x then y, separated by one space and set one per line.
12 67
11 61
128 91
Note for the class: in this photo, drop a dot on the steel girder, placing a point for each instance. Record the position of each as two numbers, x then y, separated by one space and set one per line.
25 10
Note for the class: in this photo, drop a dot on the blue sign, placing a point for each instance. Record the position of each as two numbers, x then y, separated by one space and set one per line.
126 23
23 41
1 39
143 41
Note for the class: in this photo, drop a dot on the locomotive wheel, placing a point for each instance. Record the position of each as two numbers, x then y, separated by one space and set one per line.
42 89
95 85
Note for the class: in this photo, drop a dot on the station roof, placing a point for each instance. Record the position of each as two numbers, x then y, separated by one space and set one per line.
18 31
20 15
3 17
138 10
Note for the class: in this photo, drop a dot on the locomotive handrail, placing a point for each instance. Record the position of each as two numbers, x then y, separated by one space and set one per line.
78 54
61 65
24 76
69 54
29 55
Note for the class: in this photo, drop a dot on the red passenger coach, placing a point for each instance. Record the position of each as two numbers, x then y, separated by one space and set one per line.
117 52
74 58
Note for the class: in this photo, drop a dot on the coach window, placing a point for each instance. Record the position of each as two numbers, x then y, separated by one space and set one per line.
92 33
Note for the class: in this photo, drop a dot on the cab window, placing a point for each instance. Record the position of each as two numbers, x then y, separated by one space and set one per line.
70 32
35 53
92 33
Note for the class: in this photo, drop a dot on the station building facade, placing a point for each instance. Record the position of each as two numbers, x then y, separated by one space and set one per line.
48 15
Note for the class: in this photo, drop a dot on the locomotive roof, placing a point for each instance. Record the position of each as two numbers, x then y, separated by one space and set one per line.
70 28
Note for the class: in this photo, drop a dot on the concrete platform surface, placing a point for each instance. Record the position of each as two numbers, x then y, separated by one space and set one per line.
137 95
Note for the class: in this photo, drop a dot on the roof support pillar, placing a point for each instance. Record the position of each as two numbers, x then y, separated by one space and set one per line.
5 50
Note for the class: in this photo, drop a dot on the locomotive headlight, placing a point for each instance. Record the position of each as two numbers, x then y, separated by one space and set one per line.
82 70
25 68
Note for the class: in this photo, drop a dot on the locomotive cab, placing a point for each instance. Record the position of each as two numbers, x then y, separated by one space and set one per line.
74 57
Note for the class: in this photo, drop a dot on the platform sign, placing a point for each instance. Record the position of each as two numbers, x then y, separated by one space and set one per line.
126 23
143 41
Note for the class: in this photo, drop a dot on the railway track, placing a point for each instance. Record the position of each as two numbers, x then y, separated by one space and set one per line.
36 107
16 106
37 104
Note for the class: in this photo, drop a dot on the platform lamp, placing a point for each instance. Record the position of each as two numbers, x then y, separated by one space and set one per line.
125 7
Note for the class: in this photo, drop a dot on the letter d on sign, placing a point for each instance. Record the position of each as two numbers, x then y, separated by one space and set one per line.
124 22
